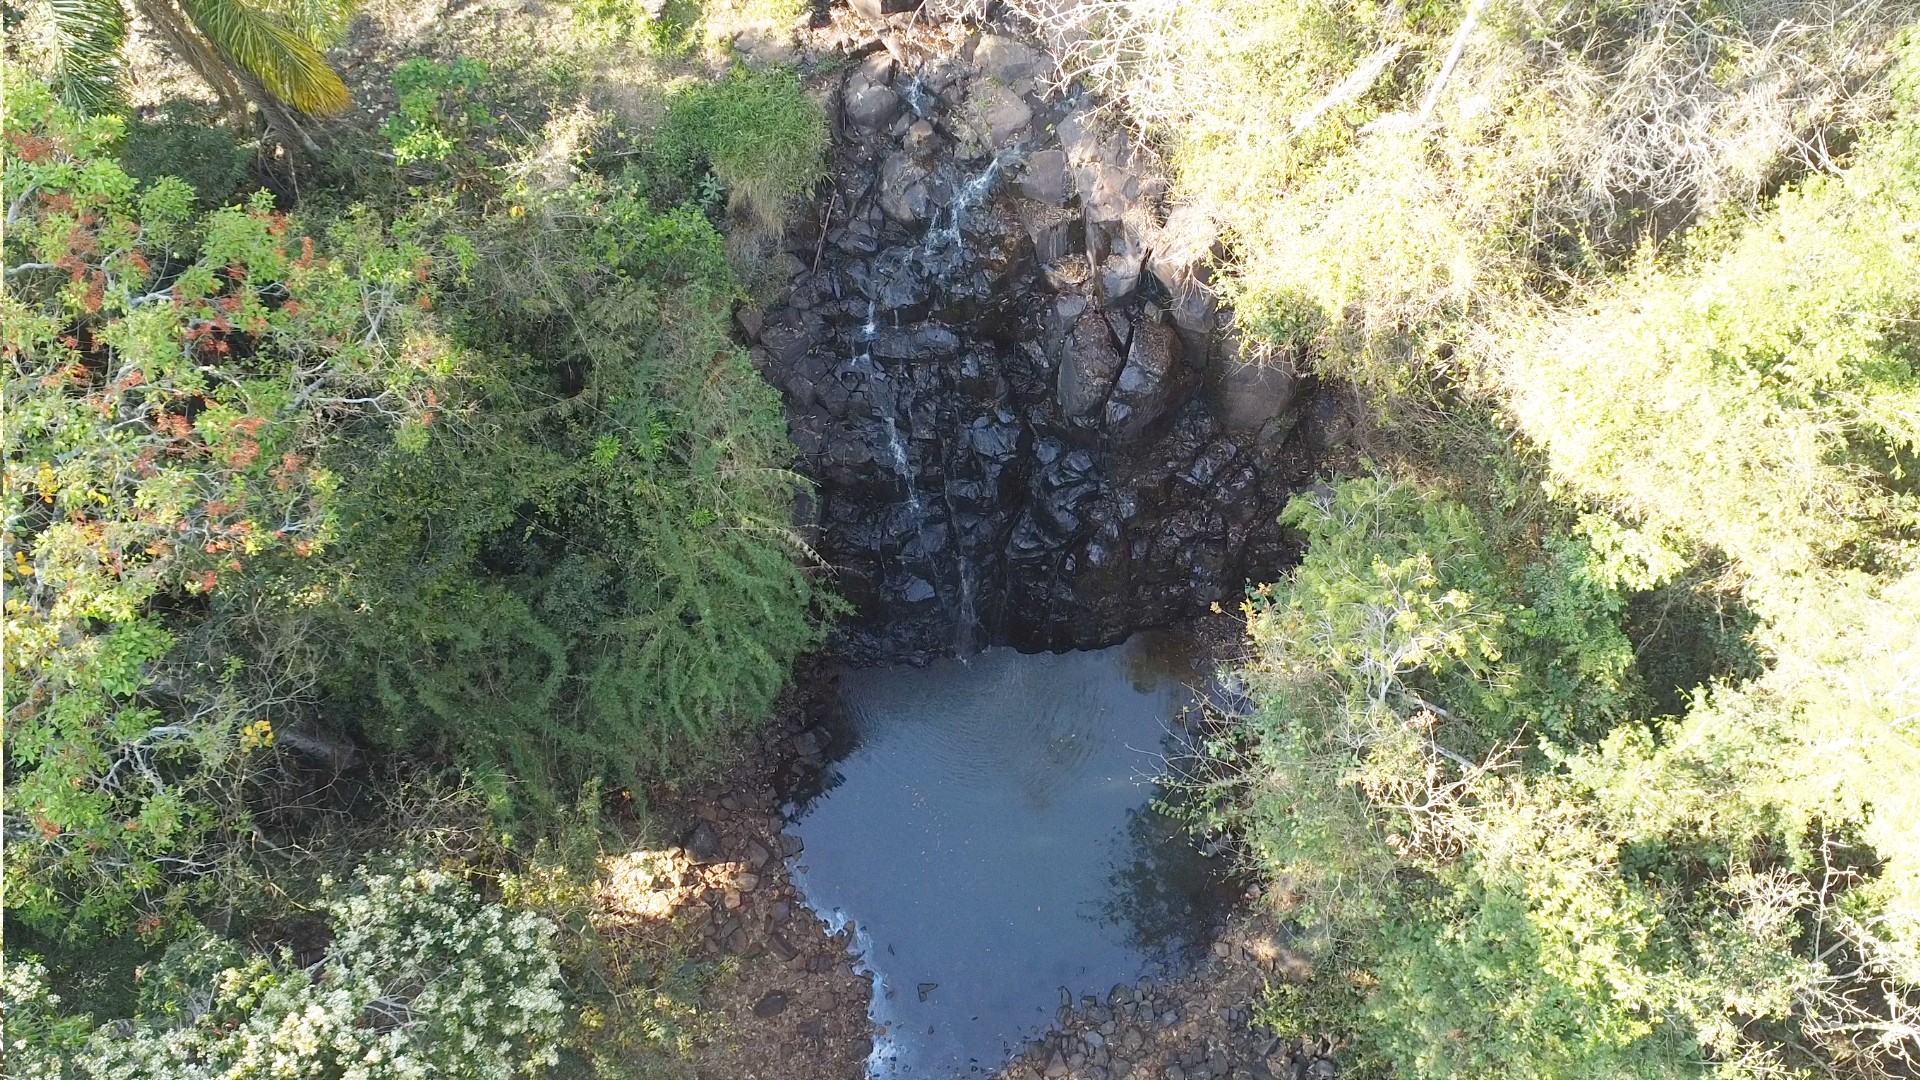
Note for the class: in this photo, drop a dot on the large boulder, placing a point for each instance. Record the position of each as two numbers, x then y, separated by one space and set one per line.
1251 392
1089 367
867 101
1008 60
1149 385
1043 178
997 116
905 194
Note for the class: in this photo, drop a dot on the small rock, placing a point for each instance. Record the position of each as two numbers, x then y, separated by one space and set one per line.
1325 1067
927 989
773 1004
757 854
781 946
813 1028
791 845
702 844
746 883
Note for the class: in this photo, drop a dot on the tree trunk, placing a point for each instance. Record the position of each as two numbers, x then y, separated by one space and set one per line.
213 69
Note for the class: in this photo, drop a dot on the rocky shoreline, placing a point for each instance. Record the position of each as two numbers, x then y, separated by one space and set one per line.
1197 1027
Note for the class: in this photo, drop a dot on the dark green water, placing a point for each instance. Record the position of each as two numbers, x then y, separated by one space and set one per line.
989 835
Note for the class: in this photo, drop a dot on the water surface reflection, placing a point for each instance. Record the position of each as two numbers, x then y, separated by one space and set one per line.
989 834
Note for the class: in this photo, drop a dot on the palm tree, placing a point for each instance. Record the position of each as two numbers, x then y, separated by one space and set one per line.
266 53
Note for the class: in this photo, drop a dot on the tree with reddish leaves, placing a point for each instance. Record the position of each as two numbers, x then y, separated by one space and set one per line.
170 377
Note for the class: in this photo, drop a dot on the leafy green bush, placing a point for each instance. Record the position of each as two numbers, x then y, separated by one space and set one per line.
182 141
588 569
759 132
436 109
421 979
1414 769
173 376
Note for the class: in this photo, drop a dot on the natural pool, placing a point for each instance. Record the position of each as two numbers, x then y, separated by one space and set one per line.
988 832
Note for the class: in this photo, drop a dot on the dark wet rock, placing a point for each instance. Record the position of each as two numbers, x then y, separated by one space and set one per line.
773 1004
1148 387
1328 423
926 989
904 194
1091 364
869 104
990 369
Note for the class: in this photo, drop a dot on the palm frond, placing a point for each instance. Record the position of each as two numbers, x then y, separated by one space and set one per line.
322 22
85 41
256 39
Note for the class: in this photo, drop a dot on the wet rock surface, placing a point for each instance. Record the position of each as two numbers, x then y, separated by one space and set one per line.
1004 368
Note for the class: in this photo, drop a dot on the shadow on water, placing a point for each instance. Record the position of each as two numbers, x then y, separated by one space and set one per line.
986 827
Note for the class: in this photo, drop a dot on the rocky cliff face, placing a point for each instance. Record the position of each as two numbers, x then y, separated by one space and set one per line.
1004 370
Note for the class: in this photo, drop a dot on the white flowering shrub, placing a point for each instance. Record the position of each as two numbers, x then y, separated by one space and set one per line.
38 1037
423 980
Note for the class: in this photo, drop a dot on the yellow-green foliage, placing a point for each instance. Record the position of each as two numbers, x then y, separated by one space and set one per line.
1610 889
1376 198
1760 397
763 137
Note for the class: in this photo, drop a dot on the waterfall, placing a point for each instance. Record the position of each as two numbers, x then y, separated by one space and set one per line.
939 253
898 447
946 234
916 95
964 621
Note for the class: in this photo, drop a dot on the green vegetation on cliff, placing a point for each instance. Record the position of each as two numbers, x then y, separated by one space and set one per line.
1582 741
392 523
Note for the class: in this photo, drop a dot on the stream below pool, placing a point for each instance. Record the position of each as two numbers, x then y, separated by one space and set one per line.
986 828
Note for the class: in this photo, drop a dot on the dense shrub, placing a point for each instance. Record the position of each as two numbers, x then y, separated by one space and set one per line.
172 378
763 137
421 979
589 569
